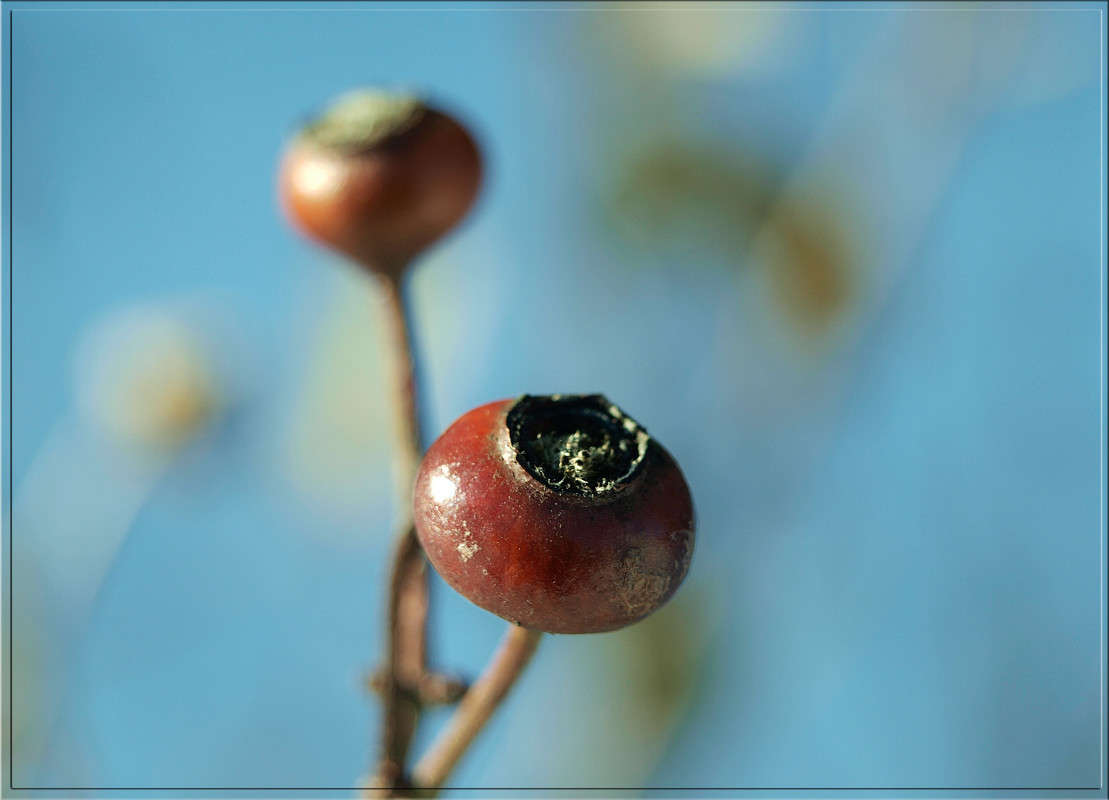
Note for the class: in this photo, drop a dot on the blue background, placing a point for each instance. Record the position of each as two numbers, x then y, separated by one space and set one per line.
897 473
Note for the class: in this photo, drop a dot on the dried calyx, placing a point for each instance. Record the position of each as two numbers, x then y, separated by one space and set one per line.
363 120
576 444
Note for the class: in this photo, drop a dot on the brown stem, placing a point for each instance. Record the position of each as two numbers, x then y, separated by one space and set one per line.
404 654
406 650
475 709
432 689
405 670
409 441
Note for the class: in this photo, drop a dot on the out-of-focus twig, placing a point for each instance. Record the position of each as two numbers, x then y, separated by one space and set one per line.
475 709
406 649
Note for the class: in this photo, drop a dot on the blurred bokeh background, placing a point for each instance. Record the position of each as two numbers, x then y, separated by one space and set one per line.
844 262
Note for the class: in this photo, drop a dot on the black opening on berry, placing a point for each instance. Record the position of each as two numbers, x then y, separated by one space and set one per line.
576 444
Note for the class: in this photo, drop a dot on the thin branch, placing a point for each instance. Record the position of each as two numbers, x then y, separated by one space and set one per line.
407 612
406 650
475 709
433 689
409 446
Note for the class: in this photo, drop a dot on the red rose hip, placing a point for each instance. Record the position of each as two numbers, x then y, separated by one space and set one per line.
380 177
558 513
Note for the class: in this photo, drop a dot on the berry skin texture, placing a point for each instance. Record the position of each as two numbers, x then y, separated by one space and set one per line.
558 513
379 178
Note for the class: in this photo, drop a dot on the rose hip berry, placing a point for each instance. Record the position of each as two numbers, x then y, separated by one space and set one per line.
558 513
379 177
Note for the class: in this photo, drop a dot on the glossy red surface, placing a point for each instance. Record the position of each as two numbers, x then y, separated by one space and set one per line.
384 206
554 562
